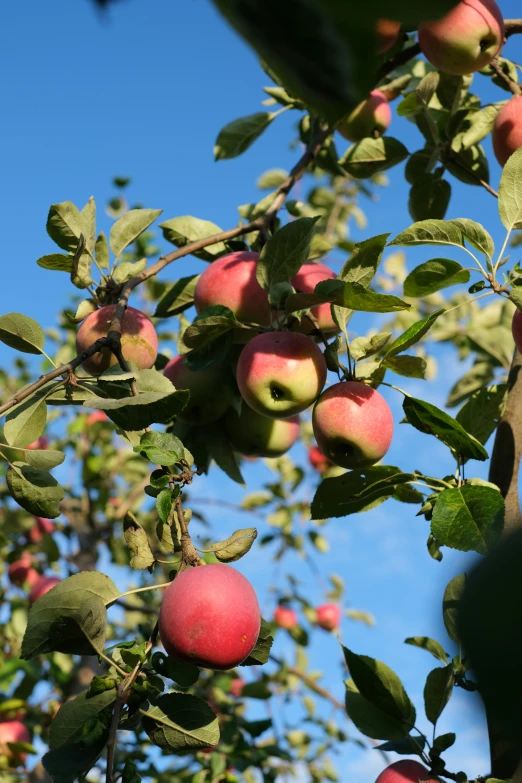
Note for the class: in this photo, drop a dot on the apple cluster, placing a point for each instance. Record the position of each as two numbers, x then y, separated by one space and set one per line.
327 616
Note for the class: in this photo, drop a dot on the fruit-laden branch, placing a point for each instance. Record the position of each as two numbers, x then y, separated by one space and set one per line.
507 449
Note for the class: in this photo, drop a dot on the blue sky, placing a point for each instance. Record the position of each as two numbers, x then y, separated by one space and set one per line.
142 92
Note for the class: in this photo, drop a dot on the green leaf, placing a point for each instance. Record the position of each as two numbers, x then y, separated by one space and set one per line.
261 651
137 542
360 268
88 216
21 333
413 334
70 719
184 674
476 235
34 490
481 414
128 228
425 417
370 720
377 683
222 453
285 252
101 250
432 276
362 347
70 763
405 365
444 741
164 503
161 448
409 746
445 232
510 192
181 231
65 225
205 330
356 491
356 297
272 178
479 124
26 422
42 459
177 298
236 137
429 197
179 722
126 270
236 546
58 262
477 376
417 100
430 645
437 691
469 518
451 603
371 156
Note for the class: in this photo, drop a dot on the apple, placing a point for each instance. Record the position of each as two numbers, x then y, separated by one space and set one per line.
353 425
317 459
42 586
466 39
96 417
370 118
41 528
236 687
280 374
406 771
328 616
253 435
207 401
284 617
41 443
305 281
139 341
387 33
507 130
13 731
21 571
210 617
231 281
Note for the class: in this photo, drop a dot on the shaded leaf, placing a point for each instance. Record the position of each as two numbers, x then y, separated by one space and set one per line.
261 651
481 414
432 276
451 604
437 691
177 298
69 721
285 252
236 137
356 491
408 366
468 518
413 334
427 418
370 156
430 645
180 722
65 225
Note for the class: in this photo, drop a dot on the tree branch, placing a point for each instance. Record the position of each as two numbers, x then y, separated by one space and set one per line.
512 26
515 88
399 59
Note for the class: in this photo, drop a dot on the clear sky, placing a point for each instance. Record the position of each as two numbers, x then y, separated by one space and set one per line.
142 92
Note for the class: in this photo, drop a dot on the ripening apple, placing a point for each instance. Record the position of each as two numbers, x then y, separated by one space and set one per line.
210 617
41 443
516 328
328 616
97 417
236 687
231 281
466 39
42 586
387 33
253 435
317 459
139 341
284 617
207 401
507 130
13 731
41 528
353 425
406 771
371 117
280 374
305 281
21 571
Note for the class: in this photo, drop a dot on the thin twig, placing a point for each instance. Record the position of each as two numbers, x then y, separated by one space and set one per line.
515 88
512 27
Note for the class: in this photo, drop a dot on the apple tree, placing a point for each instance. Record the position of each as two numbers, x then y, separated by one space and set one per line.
149 382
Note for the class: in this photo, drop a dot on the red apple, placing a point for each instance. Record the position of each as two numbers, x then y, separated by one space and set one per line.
370 118
328 616
236 687
466 39
387 34
406 771
96 417
42 527
317 459
21 572
207 399
507 130
41 443
253 435
13 731
42 586
210 617
139 341
284 617
305 281
353 425
231 281
280 374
